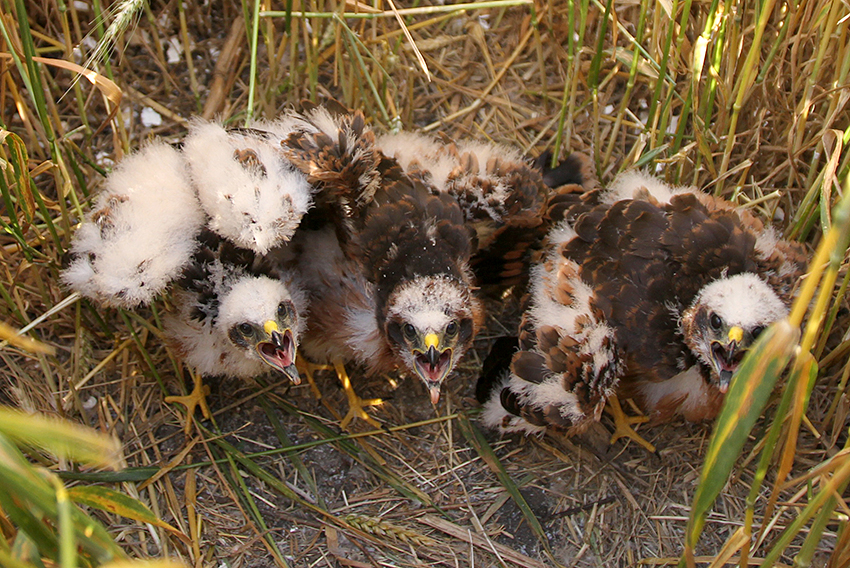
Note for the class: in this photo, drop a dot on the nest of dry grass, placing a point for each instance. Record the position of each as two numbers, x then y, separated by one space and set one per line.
746 101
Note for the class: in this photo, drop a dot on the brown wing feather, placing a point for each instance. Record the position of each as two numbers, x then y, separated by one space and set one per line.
780 262
511 227
344 163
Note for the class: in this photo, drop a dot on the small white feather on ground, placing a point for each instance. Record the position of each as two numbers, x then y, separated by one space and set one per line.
141 232
253 195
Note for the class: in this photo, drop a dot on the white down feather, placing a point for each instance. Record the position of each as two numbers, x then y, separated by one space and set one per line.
142 232
255 210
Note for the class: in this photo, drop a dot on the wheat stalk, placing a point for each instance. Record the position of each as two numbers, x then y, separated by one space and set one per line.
379 527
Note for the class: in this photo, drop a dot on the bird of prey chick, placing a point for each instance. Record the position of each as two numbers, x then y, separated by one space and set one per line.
644 292
387 269
234 317
210 220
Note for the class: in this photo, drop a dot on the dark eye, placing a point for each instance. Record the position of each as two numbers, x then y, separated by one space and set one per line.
757 331
282 311
409 331
451 329
246 329
715 321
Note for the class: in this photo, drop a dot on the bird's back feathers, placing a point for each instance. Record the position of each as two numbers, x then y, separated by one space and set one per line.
252 194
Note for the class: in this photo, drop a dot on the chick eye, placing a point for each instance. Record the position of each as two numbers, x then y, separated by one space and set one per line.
282 311
451 329
246 329
409 331
757 331
715 322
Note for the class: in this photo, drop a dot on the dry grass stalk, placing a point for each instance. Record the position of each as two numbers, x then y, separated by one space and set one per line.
748 100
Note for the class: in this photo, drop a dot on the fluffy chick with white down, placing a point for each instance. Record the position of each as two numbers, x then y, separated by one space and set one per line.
655 297
141 233
235 319
252 194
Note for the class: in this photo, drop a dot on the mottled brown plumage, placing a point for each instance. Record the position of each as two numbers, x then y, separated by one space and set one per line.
505 199
387 262
653 297
337 153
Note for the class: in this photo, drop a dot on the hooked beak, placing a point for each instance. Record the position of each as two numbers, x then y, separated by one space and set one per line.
279 352
432 367
726 357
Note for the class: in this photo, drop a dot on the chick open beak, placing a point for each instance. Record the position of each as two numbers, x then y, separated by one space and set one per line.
433 365
726 357
279 351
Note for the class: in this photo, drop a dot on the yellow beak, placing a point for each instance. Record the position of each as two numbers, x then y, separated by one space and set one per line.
432 340
736 334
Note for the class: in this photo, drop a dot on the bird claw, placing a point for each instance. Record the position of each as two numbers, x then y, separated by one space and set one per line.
623 424
192 400
307 368
355 403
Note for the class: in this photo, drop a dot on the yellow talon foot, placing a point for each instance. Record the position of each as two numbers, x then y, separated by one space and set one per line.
192 400
355 403
307 368
623 424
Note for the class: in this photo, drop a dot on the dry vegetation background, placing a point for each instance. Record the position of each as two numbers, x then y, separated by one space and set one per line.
745 99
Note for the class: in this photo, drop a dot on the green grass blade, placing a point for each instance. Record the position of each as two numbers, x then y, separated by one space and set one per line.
346 445
248 499
822 499
25 549
128 475
262 474
747 396
293 456
254 33
60 437
476 439
67 540
116 502
659 83
28 497
596 62
9 561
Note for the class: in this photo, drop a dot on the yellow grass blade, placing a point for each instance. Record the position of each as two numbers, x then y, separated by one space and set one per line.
13 336
116 502
143 564
744 402
60 437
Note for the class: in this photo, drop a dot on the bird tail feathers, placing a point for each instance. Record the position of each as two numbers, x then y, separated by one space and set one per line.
336 151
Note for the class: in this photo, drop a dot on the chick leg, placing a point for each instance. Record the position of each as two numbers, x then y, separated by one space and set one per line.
307 368
623 424
192 400
355 403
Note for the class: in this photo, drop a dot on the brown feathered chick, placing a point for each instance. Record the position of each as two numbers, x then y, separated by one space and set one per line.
645 292
387 266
